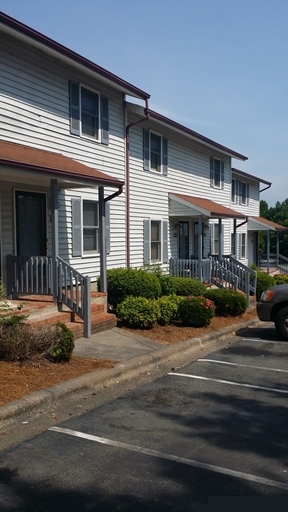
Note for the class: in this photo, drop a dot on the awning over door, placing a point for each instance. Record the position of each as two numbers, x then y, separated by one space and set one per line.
261 224
184 205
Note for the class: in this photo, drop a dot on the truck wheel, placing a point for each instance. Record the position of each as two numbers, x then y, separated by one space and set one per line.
281 322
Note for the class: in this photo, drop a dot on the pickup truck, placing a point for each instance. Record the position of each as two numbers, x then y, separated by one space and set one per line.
273 307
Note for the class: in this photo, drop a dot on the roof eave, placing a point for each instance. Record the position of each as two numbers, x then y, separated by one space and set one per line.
14 26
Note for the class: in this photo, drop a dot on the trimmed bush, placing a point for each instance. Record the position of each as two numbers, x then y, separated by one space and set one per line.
168 308
227 302
22 342
187 286
126 282
64 346
280 279
138 312
263 282
196 311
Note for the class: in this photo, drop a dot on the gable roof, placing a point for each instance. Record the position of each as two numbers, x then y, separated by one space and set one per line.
207 207
52 165
38 40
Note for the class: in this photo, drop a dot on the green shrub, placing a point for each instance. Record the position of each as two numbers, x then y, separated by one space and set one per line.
21 342
196 311
227 302
62 351
169 308
126 282
138 312
186 286
281 279
263 282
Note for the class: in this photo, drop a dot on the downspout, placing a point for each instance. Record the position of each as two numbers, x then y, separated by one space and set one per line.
115 194
266 188
127 180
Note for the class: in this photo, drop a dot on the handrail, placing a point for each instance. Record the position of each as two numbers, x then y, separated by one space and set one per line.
35 275
74 290
222 277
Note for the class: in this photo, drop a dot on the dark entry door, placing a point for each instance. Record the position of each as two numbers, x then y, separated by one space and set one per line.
183 240
31 224
196 239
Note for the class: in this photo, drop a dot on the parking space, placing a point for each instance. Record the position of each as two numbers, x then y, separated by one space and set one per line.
217 427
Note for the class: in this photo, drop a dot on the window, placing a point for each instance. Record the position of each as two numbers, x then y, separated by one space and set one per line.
90 226
239 192
216 173
215 239
155 149
85 227
155 241
242 245
89 115
243 193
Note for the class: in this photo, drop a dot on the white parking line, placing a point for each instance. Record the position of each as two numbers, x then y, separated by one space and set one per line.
266 341
232 383
174 458
242 365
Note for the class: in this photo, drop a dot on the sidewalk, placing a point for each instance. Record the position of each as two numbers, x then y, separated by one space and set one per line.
136 355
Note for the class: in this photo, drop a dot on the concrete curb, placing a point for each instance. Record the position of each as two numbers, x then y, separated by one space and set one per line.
50 399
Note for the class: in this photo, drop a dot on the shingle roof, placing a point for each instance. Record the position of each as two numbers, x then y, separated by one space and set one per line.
208 207
48 162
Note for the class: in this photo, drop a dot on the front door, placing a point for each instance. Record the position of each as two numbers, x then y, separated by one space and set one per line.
30 223
183 240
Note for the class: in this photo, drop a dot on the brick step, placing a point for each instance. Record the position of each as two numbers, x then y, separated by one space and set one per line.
99 323
50 318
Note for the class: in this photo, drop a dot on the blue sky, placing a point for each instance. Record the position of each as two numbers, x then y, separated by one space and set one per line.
216 66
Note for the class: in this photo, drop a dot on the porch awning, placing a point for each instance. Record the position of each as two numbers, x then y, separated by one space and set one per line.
261 224
181 204
52 165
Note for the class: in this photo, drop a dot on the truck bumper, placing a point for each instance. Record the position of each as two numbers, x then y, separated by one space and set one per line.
264 310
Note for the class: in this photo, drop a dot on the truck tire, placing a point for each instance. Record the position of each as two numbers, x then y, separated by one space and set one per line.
281 322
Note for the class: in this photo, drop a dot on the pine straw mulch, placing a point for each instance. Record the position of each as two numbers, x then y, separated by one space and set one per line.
17 380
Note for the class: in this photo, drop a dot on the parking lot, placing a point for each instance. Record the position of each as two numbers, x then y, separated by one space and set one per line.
214 429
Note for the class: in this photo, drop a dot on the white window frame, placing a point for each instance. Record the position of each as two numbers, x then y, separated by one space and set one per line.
213 183
151 133
95 228
243 246
159 242
96 93
243 199
215 238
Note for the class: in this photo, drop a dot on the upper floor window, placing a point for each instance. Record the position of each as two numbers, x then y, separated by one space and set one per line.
216 173
239 192
155 152
89 115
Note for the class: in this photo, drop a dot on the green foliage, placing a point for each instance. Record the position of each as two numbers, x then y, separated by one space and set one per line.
280 279
263 282
196 311
168 308
186 286
12 320
126 282
138 312
227 302
21 342
278 214
62 351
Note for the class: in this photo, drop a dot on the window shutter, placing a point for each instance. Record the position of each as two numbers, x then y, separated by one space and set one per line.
247 191
165 156
104 120
211 171
222 174
76 227
146 150
146 241
107 227
238 250
165 241
74 108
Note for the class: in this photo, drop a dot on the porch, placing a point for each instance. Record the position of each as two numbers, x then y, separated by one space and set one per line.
31 262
